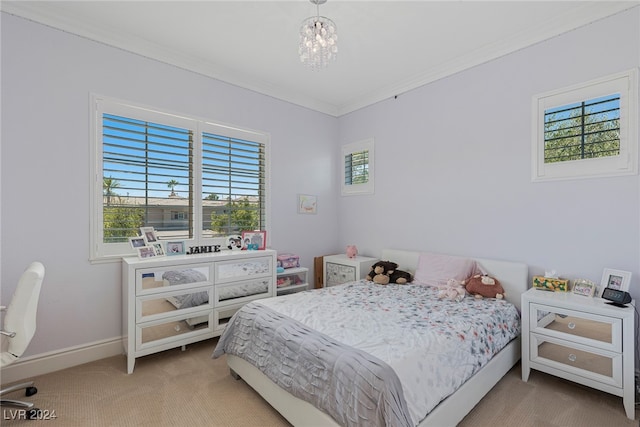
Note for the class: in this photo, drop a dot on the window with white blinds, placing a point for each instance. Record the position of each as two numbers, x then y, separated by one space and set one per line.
358 168
587 130
190 179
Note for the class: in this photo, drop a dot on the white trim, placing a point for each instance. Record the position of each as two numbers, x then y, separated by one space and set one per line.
48 13
57 360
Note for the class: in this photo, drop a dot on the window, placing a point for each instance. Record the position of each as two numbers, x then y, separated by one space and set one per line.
587 130
190 179
358 168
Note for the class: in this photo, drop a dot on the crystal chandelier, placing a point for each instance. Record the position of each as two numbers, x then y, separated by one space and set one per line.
318 40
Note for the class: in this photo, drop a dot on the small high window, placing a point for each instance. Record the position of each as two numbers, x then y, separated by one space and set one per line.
587 130
358 168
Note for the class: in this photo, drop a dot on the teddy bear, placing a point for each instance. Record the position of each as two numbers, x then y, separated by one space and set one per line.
400 277
381 271
454 290
484 286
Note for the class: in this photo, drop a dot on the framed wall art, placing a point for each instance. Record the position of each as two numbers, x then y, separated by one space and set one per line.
307 204
616 279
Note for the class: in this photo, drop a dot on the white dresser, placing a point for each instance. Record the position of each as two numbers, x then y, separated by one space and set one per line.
340 268
172 301
581 339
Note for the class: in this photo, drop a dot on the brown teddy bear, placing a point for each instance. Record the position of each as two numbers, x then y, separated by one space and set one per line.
484 286
381 271
385 272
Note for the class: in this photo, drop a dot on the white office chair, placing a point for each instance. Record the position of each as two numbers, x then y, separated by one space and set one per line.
19 327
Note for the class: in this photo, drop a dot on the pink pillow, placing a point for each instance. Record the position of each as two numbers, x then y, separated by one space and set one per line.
435 269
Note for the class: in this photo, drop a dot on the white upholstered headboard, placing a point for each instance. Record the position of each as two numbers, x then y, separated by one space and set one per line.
513 276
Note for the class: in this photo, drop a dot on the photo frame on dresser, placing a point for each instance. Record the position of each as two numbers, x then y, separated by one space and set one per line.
254 240
616 279
175 247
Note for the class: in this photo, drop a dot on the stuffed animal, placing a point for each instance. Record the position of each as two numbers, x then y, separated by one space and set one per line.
400 277
381 271
484 286
454 290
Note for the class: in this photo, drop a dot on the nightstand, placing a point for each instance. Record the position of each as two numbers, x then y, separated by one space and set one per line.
292 280
581 339
340 269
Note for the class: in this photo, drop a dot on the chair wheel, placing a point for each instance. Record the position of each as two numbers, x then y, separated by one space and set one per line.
32 414
30 391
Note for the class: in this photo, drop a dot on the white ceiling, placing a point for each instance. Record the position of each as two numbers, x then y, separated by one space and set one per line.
385 47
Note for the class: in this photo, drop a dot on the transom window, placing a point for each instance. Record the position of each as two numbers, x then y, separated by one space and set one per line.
587 130
190 179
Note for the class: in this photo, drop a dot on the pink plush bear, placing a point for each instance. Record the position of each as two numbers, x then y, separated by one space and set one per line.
454 290
352 251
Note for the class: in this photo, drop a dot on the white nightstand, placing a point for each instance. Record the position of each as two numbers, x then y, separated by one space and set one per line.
580 339
340 269
292 280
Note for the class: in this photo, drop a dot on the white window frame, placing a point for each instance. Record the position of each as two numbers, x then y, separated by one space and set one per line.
626 163
102 252
360 188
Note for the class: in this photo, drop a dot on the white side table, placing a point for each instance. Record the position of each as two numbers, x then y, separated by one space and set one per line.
340 268
581 339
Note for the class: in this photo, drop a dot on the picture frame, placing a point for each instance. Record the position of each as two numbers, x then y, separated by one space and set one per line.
307 204
158 248
137 242
146 252
584 287
616 279
254 240
149 234
175 247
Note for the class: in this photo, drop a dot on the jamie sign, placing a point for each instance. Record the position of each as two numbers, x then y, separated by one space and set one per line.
203 249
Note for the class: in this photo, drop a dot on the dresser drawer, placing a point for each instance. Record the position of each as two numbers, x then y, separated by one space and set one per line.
176 302
155 280
241 269
243 291
575 326
221 316
165 331
339 273
589 362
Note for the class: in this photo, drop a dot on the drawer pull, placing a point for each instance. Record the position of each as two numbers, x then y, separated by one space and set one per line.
571 325
572 357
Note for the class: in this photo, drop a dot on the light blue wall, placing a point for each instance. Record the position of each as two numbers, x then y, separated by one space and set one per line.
452 166
47 76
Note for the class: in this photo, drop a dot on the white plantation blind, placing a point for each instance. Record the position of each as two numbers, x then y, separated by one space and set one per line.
190 179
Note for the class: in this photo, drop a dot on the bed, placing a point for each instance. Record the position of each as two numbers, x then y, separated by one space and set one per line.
368 384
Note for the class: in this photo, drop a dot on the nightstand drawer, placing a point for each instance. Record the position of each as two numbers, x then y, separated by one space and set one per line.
581 327
600 365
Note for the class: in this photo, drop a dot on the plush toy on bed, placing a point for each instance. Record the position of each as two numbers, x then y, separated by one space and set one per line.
381 271
454 290
484 286
385 272
400 277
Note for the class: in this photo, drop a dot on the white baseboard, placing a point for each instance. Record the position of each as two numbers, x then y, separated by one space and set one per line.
45 363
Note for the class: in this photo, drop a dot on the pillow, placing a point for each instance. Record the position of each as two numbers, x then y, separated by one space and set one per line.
435 269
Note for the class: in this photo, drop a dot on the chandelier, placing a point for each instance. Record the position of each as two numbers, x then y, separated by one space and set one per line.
318 40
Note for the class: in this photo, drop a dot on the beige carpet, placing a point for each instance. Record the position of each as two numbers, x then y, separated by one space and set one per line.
188 388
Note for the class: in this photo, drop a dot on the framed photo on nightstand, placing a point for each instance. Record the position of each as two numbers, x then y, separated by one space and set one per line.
584 287
616 279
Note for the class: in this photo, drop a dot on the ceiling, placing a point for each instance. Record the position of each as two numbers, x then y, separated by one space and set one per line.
385 47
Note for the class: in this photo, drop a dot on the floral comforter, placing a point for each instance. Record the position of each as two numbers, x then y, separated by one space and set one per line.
434 345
